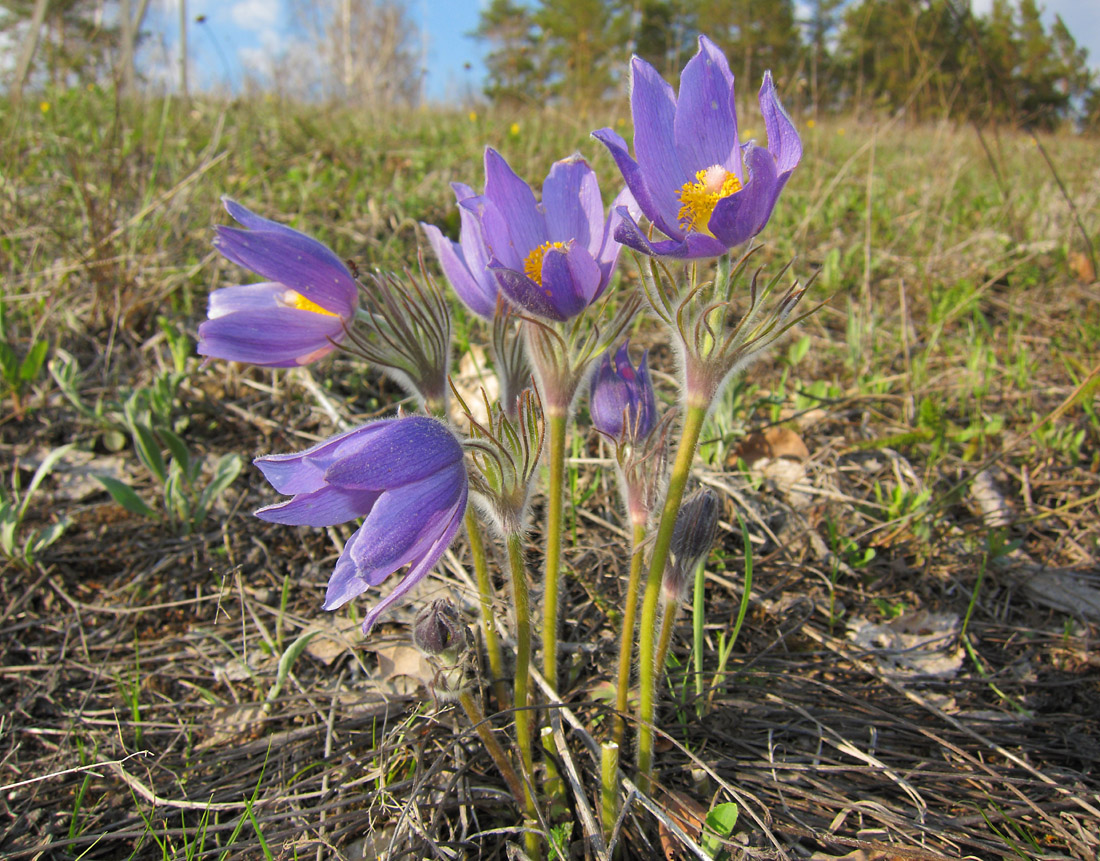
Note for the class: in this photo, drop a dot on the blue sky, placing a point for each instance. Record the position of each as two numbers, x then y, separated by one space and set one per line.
239 37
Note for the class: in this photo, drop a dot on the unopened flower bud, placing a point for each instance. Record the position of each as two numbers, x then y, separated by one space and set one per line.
438 628
692 538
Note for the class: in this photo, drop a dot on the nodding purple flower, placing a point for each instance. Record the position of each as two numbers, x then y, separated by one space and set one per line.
465 263
405 476
294 318
552 259
622 399
693 178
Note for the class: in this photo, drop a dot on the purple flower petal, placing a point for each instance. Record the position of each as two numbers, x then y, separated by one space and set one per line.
570 279
783 140
403 522
573 206
706 118
325 507
635 182
420 570
345 582
405 477
405 451
304 471
464 265
654 109
742 215
276 337
693 245
526 224
524 293
297 261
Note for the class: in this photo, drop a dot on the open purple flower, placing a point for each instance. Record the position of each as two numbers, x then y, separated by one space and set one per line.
297 316
465 263
693 178
405 476
622 398
552 259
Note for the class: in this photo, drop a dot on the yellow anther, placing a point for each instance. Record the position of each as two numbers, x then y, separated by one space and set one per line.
532 266
294 299
698 199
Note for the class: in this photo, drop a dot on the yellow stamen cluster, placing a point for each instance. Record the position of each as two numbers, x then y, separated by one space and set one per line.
294 299
698 199
532 266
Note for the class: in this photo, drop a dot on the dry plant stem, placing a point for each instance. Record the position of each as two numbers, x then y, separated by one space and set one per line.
485 598
681 469
485 732
626 638
523 660
556 423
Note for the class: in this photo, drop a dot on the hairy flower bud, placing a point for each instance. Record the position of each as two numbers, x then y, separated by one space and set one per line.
692 538
438 628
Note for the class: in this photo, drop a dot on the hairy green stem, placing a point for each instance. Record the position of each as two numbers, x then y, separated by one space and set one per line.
669 612
485 599
626 637
681 469
556 423
697 618
485 732
523 648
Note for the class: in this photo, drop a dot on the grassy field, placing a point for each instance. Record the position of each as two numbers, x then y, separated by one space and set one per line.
917 467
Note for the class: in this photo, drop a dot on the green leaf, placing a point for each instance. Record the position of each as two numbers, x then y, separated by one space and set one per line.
721 820
227 470
125 496
286 662
178 448
48 536
43 470
148 450
8 363
32 364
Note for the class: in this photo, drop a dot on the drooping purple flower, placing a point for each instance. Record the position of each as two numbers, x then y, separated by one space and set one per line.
405 476
465 263
552 259
693 178
295 317
622 398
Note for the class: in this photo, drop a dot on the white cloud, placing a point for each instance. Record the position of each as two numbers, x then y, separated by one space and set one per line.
256 15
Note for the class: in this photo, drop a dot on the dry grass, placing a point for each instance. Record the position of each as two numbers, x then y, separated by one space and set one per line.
137 664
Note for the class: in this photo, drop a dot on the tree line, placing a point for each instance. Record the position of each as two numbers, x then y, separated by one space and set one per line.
930 58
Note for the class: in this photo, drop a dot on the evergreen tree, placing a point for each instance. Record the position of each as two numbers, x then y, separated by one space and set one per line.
515 73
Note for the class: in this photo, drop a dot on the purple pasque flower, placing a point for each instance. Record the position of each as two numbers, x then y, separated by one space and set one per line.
405 476
465 263
693 178
622 400
552 259
295 317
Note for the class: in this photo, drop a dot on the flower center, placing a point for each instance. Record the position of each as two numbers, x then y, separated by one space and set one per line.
532 265
698 199
294 299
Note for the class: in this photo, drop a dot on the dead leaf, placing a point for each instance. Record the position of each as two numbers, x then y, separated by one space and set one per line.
403 668
686 812
1080 264
917 643
771 444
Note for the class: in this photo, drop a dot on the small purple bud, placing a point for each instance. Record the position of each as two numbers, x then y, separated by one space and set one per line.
438 628
692 538
622 400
